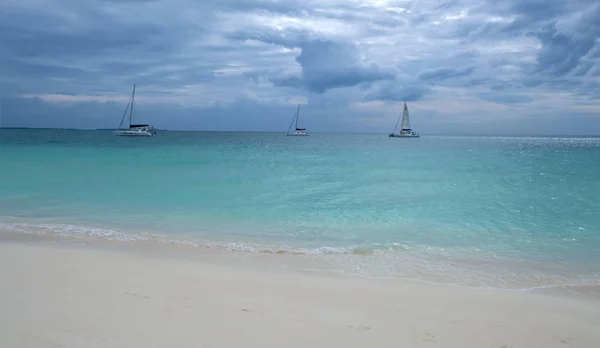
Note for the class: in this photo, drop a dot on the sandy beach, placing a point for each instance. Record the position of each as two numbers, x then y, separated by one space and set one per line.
70 296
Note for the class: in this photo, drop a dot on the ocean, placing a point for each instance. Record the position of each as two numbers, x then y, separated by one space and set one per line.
500 212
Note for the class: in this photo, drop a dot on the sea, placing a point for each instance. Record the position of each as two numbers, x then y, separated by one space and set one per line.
484 211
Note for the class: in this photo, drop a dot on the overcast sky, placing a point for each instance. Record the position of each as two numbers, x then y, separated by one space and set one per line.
464 66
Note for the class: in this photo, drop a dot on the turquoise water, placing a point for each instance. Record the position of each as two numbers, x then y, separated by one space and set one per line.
493 211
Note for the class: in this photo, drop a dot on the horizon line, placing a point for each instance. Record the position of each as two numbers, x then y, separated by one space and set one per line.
317 132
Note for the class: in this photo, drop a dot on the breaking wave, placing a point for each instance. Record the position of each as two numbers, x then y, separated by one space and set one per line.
79 232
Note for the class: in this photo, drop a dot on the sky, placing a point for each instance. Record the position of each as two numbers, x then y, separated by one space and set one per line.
463 67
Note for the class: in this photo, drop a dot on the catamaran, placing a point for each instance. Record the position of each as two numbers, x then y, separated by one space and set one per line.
297 131
144 130
405 131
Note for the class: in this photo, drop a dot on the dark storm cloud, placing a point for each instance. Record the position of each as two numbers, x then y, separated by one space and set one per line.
565 51
325 64
329 64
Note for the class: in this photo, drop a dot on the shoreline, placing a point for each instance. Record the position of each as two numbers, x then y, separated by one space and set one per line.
406 265
94 296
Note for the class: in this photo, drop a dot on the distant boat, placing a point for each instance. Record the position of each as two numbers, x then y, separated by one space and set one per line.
143 130
297 131
405 131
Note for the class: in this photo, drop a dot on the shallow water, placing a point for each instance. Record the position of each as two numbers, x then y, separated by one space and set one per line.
515 212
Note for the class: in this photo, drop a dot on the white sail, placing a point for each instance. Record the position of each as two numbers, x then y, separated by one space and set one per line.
405 119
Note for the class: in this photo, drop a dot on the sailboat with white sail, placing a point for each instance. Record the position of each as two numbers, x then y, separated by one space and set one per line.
144 130
297 131
405 131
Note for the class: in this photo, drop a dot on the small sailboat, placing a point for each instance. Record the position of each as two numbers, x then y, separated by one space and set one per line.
405 131
144 130
297 131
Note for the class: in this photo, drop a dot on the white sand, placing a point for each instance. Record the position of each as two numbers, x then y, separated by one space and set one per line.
87 297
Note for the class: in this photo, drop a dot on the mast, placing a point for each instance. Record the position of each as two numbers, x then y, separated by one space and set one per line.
131 110
125 113
397 121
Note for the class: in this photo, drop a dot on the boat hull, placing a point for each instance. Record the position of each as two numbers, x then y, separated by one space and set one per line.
297 134
404 135
134 134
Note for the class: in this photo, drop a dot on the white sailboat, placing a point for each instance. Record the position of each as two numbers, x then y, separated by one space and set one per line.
144 130
405 131
297 131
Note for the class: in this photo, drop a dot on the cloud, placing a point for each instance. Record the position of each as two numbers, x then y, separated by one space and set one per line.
467 61
324 64
566 45
329 64
502 98
397 91
440 74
